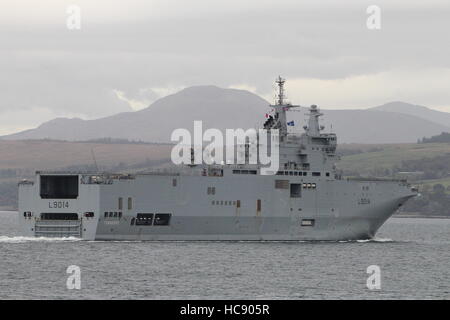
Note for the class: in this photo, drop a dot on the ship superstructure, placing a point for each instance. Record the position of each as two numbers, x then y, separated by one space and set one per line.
305 199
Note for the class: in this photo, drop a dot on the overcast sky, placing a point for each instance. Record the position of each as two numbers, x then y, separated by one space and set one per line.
129 53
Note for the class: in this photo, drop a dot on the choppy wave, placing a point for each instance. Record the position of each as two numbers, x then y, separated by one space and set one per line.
5 239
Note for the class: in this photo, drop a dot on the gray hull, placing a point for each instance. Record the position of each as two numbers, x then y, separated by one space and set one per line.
243 207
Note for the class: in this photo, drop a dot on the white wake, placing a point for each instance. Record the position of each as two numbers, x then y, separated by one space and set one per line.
5 239
376 240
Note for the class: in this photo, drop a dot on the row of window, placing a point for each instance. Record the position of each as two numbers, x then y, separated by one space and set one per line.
111 214
323 149
291 173
364 201
300 173
223 203
245 172
309 186
150 219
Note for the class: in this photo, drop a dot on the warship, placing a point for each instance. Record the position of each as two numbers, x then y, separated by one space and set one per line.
305 199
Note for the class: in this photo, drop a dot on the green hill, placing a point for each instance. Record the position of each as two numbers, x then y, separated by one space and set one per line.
375 158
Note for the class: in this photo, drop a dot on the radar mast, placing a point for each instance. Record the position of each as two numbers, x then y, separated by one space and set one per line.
280 81
280 107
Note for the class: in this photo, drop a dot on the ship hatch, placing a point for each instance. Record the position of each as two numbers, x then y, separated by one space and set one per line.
59 187
59 224
59 216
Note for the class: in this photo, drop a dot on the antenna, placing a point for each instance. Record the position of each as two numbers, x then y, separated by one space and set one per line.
280 81
95 161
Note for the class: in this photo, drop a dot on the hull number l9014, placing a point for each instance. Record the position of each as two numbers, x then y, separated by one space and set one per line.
58 204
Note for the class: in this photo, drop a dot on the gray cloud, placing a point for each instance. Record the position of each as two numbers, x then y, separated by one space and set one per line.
142 48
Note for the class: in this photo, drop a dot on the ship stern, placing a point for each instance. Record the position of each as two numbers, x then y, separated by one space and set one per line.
58 205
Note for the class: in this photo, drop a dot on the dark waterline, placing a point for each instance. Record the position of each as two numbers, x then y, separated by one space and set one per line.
413 254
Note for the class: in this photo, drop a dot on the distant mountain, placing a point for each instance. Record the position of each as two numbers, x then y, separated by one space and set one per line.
440 117
367 126
216 107
231 108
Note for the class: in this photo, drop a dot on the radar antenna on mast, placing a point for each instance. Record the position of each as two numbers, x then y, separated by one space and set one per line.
280 81
280 107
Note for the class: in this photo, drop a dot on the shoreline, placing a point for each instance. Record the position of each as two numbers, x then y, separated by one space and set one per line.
418 216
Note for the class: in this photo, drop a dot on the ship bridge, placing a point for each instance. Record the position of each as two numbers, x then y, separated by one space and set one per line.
312 150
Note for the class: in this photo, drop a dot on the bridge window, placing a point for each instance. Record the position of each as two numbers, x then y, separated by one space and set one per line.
316 174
